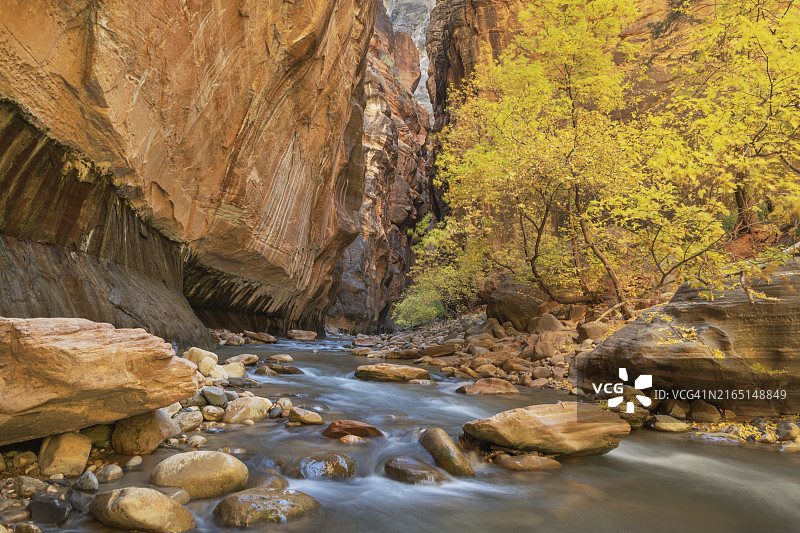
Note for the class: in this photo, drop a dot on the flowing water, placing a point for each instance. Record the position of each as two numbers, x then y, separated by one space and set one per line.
653 482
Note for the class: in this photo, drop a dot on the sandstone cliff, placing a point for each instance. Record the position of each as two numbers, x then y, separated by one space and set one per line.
154 150
461 33
374 268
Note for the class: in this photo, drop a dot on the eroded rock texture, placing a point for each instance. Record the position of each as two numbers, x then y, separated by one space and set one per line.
63 374
374 268
233 128
746 353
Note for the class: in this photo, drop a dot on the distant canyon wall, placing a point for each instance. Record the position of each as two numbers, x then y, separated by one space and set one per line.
373 270
166 154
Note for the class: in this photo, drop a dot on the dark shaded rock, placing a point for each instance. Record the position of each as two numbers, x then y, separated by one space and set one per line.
412 471
548 322
515 303
49 509
700 411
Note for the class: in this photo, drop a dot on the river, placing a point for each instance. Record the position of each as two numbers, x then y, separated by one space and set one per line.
654 482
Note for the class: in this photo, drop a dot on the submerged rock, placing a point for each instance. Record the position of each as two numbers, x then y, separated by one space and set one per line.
565 428
258 505
526 463
141 509
204 474
329 465
446 452
412 471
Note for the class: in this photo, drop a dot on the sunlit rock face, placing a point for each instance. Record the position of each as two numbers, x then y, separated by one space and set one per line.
373 270
231 130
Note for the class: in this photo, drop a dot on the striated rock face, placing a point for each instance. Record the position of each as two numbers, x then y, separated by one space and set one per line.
729 345
373 270
232 128
63 374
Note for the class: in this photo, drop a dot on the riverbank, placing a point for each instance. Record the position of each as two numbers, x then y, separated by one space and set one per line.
705 485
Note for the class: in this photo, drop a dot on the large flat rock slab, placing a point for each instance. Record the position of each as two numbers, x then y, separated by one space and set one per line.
564 428
63 374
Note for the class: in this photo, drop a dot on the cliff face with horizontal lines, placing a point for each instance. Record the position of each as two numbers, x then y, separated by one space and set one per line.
156 155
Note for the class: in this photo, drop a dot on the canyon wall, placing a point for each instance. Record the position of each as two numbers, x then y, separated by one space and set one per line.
373 269
462 33
157 153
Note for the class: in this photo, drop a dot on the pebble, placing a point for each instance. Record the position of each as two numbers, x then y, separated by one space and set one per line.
196 441
134 463
109 473
87 482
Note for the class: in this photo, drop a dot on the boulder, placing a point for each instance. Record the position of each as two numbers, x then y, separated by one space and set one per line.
246 359
284 369
489 386
591 330
328 465
234 370
675 408
340 428
203 474
526 463
188 420
447 454
701 411
667 423
195 355
259 505
260 337
548 322
703 344
88 482
143 433
513 302
49 508
247 408
390 372
64 454
412 471
140 509
281 358
564 428
215 396
440 350
64 374
301 335
235 340
787 431
304 416
109 473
